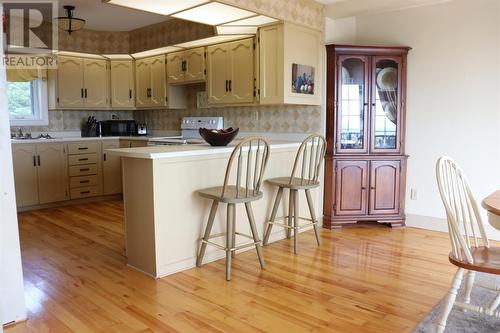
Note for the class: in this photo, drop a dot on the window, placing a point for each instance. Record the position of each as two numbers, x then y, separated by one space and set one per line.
27 98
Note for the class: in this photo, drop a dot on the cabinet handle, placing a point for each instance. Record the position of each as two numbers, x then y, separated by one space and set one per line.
81 92
85 92
34 160
227 82
372 187
38 160
104 157
85 169
83 159
230 85
83 148
363 188
84 181
85 192
130 94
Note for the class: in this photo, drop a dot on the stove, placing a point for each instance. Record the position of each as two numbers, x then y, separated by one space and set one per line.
189 131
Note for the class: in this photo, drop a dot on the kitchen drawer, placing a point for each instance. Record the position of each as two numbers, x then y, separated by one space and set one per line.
84 192
83 147
83 170
82 159
83 181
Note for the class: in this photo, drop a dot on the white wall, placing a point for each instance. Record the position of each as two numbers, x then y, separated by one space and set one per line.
453 105
12 307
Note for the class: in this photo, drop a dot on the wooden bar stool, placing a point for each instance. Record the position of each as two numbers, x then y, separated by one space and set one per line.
251 157
310 156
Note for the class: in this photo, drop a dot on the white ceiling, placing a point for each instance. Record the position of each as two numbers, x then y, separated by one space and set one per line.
105 17
346 8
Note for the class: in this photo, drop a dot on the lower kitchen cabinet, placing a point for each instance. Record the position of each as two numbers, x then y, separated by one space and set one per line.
368 190
111 169
125 143
40 173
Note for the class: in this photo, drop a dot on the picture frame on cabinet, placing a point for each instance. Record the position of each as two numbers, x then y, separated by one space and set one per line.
303 79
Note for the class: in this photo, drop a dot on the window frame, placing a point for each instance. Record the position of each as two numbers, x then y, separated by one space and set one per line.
41 116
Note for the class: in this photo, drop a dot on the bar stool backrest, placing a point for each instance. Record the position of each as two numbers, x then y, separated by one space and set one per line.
249 159
461 209
309 159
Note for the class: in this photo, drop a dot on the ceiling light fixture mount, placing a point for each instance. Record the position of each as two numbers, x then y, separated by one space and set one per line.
69 23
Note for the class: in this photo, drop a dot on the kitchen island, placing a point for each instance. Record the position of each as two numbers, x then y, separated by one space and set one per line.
165 217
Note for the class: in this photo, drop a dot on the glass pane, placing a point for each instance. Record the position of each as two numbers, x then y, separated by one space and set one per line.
386 104
352 111
20 99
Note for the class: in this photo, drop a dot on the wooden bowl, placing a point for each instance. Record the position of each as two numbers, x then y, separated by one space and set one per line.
219 137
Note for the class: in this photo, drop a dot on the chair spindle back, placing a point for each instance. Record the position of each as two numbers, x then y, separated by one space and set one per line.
462 211
309 157
251 157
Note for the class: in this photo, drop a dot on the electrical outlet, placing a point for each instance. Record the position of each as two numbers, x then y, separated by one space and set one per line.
413 194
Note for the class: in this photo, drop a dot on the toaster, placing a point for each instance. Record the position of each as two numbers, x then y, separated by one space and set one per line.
142 129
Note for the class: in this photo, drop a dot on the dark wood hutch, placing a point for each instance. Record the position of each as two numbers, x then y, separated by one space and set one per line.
365 165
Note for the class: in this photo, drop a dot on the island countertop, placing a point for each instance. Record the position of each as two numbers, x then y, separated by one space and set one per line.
166 151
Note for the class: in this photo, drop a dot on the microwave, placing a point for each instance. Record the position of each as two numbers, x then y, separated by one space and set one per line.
118 127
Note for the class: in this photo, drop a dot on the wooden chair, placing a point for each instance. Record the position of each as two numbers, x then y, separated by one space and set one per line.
310 158
251 156
471 250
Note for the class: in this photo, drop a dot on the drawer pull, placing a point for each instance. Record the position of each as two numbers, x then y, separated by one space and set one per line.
83 159
85 192
83 148
84 181
86 169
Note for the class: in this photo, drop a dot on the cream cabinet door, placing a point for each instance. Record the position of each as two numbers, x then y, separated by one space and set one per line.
271 64
175 67
95 76
111 169
241 71
122 84
217 78
70 86
142 81
52 172
195 65
158 81
25 174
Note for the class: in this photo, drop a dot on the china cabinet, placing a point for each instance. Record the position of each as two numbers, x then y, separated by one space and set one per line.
365 166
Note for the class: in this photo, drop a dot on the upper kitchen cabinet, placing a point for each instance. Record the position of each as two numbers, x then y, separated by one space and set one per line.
230 72
122 84
151 85
289 65
82 83
186 66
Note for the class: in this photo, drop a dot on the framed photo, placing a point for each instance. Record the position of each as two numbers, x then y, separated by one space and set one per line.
302 79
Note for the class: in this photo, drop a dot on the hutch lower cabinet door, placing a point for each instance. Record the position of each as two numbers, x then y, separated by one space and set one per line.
351 179
384 187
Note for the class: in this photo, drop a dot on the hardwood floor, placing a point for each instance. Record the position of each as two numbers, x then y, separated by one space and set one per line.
361 279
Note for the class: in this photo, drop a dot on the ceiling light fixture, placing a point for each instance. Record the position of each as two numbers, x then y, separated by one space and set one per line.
214 13
69 23
210 40
162 7
258 20
229 30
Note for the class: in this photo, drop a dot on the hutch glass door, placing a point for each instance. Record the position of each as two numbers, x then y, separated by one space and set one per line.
352 104
386 92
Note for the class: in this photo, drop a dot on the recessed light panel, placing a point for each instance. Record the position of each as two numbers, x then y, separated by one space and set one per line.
214 13
150 53
117 56
162 7
228 30
253 21
211 40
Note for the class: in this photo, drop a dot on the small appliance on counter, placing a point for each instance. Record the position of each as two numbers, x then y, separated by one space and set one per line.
118 127
190 127
91 128
142 129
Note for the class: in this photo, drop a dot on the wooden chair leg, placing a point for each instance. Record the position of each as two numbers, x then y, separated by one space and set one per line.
290 214
469 283
208 230
255 234
313 216
450 300
295 221
273 215
233 236
229 238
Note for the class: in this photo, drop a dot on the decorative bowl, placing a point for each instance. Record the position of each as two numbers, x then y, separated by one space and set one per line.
219 137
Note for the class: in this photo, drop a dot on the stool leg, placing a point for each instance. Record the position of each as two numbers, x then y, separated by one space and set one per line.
295 221
255 234
208 229
313 215
233 236
229 238
290 214
273 215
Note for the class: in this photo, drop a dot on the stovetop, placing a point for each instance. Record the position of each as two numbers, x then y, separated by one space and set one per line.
190 131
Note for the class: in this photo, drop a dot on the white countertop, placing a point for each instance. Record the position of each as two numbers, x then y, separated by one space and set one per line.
165 151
